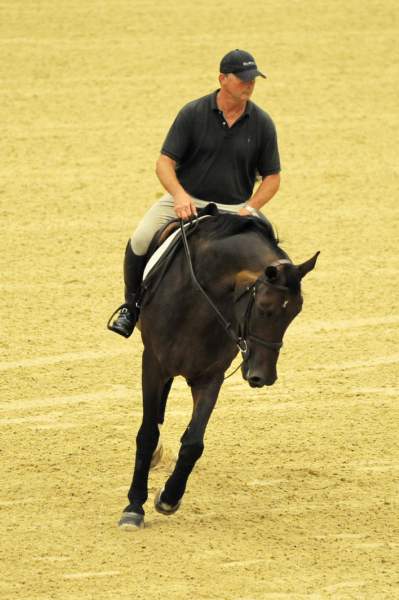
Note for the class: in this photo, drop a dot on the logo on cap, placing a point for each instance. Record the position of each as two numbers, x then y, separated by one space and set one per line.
241 63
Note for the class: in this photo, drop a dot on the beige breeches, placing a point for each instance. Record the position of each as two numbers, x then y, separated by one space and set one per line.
159 214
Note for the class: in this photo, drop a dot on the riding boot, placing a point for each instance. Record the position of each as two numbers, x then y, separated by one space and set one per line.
133 268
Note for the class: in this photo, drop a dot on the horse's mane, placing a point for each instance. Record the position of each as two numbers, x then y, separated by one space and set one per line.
221 225
224 225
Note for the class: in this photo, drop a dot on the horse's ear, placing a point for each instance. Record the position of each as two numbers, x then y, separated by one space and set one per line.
271 273
307 266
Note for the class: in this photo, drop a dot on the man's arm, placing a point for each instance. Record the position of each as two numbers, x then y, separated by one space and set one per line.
183 202
265 192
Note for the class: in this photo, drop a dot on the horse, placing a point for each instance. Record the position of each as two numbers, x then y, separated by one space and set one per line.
251 292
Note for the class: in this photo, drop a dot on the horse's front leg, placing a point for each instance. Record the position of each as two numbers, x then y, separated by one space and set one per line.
192 445
158 452
153 385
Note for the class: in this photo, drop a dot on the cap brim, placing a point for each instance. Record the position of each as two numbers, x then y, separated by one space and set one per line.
249 75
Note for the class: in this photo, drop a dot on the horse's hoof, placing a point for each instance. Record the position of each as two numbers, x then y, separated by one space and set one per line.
162 507
157 456
131 521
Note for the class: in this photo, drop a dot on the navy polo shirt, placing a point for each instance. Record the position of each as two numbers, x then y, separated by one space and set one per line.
217 163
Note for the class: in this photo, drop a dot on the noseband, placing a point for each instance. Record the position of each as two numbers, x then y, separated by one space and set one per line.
241 338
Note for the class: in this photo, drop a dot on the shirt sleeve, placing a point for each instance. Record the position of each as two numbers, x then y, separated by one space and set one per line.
178 137
268 154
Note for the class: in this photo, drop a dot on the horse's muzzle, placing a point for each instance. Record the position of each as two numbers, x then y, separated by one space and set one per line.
256 377
258 382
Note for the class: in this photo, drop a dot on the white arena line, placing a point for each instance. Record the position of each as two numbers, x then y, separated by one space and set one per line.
359 364
322 326
345 585
385 391
32 419
266 482
114 393
61 358
90 574
53 558
244 563
300 328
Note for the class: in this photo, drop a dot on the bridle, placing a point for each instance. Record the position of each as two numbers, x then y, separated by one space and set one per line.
244 334
244 325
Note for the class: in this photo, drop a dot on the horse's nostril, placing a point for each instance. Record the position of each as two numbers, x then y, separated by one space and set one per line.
256 381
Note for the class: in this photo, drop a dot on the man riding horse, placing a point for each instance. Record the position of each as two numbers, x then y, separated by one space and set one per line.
214 151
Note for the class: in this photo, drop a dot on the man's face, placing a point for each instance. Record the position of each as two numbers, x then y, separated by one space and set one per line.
236 88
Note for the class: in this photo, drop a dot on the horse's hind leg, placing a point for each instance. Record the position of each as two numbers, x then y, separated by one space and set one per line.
153 384
192 445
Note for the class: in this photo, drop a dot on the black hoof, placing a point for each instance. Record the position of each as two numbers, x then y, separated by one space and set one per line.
162 507
131 520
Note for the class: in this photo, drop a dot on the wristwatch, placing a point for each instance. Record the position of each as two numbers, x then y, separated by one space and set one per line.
250 209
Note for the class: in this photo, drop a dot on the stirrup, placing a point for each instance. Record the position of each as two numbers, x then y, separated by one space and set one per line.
124 305
125 323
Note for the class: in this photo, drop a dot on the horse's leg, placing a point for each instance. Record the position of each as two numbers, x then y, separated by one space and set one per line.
153 385
192 445
158 452
164 397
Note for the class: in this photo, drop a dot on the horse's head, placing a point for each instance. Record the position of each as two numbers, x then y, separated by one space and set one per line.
265 308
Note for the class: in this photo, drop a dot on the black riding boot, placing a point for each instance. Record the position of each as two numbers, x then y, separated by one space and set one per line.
133 268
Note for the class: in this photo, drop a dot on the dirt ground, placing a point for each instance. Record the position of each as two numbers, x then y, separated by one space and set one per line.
296 494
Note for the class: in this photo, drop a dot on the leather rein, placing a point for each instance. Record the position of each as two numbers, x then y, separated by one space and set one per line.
243 335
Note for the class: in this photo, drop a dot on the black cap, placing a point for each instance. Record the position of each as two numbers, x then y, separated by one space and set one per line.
242 64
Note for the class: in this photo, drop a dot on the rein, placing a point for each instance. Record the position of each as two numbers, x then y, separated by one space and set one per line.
240 340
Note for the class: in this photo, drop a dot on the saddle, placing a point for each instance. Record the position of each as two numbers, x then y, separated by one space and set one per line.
163 248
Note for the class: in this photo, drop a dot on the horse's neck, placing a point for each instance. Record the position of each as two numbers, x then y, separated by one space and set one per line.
224 260
246 252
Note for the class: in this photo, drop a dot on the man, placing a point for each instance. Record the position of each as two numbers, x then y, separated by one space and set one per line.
213 152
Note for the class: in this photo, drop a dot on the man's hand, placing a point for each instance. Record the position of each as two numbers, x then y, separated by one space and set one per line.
244 212
182 202
184 205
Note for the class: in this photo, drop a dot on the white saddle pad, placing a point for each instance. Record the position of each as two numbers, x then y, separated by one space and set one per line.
159 252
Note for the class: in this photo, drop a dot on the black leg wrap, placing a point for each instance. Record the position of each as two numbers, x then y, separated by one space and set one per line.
146 442
134 507
176 484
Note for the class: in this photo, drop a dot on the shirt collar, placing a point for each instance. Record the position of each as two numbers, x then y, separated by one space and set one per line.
214 106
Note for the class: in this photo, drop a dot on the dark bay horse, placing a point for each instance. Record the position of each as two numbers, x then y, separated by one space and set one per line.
257 289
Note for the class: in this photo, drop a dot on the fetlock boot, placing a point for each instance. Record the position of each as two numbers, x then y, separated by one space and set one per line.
133 268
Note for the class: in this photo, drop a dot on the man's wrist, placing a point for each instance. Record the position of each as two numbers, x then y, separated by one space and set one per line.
250 209
179 193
